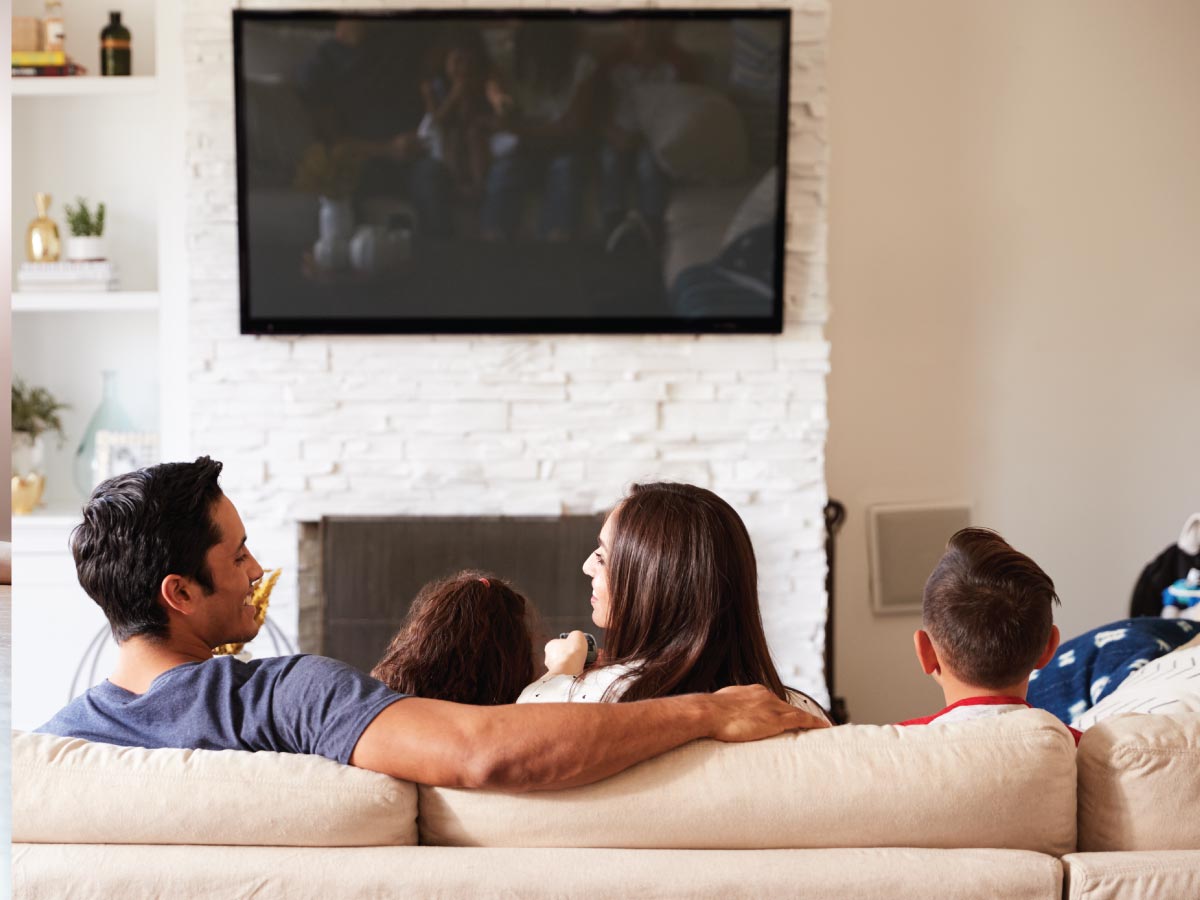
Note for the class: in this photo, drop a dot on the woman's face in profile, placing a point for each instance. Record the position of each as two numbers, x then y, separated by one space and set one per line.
596 568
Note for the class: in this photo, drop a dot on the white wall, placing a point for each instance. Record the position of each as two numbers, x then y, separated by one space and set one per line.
514 425
1015 286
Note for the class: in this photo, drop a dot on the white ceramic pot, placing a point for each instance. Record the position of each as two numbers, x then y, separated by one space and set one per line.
28 454
82 249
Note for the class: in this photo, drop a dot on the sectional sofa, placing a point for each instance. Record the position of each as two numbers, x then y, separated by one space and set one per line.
1001 807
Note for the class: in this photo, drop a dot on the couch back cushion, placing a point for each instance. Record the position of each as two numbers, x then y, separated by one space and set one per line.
1006 782
1139 783
71 791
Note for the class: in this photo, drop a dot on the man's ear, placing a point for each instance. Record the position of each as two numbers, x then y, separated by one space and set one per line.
178 593
1051 646
926 654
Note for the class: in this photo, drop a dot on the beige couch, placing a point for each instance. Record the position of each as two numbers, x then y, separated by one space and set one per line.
980 809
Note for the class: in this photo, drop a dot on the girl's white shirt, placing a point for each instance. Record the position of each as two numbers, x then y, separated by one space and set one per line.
591 686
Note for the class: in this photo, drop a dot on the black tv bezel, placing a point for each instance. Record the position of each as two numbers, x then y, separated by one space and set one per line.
431 325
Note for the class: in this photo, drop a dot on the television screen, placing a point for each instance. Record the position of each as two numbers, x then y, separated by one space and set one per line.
502 171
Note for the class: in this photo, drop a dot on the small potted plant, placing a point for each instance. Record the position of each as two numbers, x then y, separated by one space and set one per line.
87 232
35 412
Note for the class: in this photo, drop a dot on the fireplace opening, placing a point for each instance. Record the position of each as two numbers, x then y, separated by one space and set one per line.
358 575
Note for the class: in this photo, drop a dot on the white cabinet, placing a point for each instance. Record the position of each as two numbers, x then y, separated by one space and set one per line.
54 623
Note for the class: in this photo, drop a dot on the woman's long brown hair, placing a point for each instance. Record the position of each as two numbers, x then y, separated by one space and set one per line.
683 596
465 639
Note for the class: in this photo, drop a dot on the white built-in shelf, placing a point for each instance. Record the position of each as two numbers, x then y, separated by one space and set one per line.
82 85
85 301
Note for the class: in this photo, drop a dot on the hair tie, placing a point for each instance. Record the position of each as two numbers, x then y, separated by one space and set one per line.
485 582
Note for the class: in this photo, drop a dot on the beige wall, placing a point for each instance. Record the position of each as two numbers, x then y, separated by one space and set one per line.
1015 293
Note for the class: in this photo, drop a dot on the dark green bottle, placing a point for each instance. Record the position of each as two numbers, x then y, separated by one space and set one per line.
114 47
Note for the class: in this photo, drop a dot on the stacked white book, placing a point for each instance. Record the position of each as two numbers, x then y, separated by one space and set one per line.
94 275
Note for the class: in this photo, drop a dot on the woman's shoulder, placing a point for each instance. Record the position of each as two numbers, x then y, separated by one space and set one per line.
801 700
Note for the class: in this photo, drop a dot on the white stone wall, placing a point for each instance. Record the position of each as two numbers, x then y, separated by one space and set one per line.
462 425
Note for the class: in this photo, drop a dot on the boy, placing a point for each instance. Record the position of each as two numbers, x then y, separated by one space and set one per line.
988 623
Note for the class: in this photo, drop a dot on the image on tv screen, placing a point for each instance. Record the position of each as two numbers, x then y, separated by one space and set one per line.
511 172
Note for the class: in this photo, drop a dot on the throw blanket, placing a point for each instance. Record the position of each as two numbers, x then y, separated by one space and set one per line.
1088 668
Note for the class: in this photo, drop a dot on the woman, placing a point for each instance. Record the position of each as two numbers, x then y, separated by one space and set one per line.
465 639
675 586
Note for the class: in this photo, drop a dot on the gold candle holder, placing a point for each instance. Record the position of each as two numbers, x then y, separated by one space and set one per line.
27 492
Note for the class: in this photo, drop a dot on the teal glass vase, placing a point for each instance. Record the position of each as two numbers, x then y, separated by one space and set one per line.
110 415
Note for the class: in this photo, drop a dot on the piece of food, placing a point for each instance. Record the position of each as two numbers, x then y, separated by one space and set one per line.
260 599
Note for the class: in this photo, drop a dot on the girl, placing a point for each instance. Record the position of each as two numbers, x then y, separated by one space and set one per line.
466 639
675 586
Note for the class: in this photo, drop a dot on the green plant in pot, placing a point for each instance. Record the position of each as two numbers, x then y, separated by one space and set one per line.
35 412
86 241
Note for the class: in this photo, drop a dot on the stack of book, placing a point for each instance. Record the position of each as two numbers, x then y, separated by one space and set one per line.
43 62
98 275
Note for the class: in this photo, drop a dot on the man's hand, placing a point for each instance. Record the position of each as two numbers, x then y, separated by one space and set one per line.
566 656
751 712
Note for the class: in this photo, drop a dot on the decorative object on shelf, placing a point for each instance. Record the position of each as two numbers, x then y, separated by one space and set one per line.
26 35
86 242
110 416
54 30
260 600
67 277
123 451
115 52
42 244
35 411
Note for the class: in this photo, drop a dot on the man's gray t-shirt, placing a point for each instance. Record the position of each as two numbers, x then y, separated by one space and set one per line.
290 704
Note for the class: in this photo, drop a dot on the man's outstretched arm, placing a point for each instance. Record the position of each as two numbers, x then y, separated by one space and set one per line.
558 745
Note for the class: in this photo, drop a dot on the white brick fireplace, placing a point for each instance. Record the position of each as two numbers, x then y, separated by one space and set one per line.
487 425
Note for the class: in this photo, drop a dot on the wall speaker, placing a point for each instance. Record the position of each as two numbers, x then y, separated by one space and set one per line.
904 543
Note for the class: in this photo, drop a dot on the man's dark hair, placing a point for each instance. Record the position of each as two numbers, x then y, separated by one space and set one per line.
989 609
137 529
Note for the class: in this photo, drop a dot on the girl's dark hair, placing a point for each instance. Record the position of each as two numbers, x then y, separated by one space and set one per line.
683 596
137 529
465 639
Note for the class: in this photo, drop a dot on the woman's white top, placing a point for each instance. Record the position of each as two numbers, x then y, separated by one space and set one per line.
586 688
590 687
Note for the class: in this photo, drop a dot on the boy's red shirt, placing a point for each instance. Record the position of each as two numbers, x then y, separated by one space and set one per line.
981 701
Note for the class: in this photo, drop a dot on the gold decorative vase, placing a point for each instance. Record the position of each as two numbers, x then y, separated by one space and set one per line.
27 492
41 241
28 476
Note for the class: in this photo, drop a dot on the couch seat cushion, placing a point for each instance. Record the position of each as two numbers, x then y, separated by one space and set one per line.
1007 782
1139 783
1163 875
67 790
82 872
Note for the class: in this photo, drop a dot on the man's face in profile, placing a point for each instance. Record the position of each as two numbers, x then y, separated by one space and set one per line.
227 615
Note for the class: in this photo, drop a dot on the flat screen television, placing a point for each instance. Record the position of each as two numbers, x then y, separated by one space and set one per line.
523 171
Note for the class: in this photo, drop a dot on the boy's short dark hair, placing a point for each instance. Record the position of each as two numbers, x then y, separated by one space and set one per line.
137 529
989 609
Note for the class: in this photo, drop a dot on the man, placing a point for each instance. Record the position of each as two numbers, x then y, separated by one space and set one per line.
163 552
